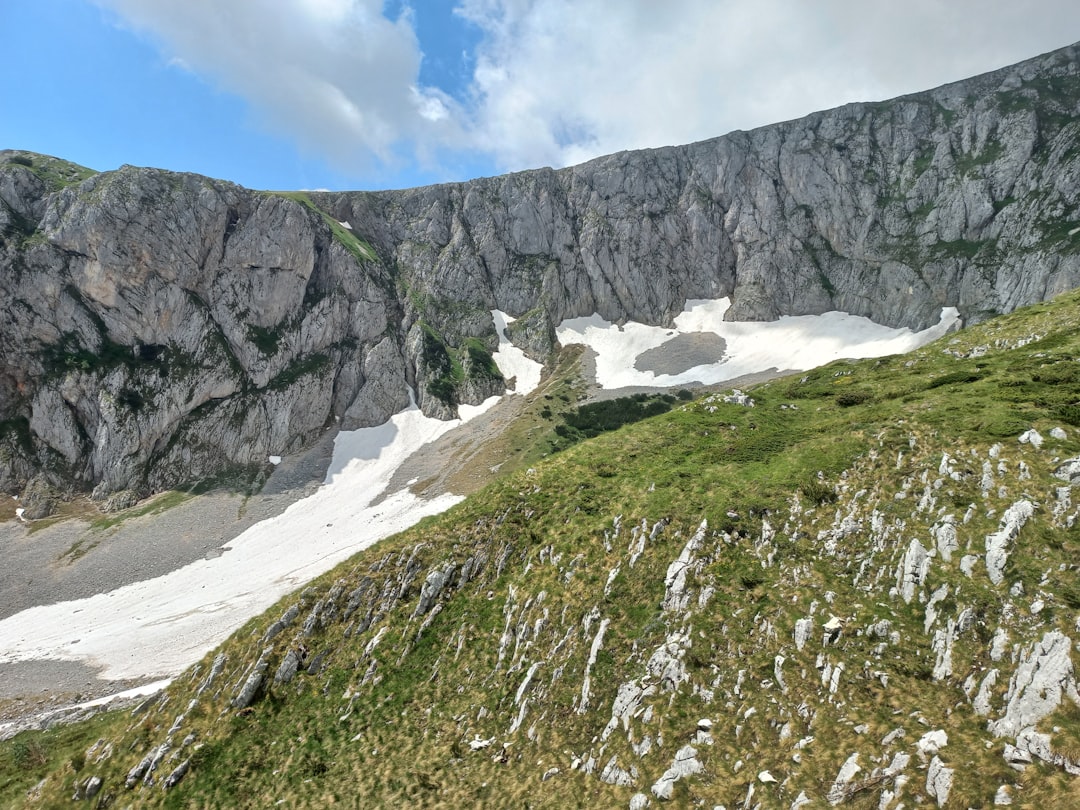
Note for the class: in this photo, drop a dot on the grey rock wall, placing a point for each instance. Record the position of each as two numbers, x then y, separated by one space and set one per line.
158 328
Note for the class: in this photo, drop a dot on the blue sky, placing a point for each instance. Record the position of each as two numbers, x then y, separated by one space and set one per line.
369 94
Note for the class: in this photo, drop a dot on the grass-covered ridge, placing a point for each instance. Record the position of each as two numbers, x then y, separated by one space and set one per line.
54 172
557 639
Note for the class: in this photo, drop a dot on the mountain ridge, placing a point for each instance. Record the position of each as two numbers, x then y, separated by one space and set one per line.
163 328
854 586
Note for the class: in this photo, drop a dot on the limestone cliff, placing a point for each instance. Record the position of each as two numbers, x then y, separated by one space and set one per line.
160 328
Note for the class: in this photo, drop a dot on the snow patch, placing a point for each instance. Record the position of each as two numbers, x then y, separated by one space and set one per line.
793 342
159 626
511 360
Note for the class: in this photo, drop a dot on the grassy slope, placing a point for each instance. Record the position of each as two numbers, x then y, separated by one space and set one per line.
386 716
56 173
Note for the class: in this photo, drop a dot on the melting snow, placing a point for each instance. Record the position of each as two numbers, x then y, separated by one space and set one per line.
161 625
511 360
792 342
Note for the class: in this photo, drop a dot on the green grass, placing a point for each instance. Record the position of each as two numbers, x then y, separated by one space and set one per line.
968 162
1061 235
594 418
54 172
53 754
450 366
265 340
312 364
360 250
771 481
152 506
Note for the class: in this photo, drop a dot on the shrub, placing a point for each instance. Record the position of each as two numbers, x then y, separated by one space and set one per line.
1006 427
597 417
1058 373
954 378
850 398
1069 414
29 752
818 491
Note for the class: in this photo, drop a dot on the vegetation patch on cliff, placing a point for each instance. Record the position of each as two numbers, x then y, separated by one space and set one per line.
360 250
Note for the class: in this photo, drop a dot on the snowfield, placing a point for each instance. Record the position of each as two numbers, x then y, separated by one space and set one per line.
157 627
794 343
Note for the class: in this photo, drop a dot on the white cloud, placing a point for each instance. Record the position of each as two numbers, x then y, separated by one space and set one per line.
560 81
335 75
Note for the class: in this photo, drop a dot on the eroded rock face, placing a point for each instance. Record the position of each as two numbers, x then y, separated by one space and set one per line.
164 327
160 327
1043 679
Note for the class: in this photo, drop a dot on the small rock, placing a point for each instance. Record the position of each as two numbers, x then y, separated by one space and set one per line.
1069 470
38 500
119 501
893 736
939 781
92 786
1043 678
912 571
178 773
614 775
997 544
1031 437
932 741
803 628
838 791
251 686
684 764
288 668
476 744
737 397
1016 758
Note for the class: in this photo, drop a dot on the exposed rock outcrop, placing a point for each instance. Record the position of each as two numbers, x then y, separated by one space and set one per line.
1042 680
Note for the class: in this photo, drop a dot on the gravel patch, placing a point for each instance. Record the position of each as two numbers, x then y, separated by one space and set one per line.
71 560
682 353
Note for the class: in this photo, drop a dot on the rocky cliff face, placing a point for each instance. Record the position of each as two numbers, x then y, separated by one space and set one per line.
160 328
